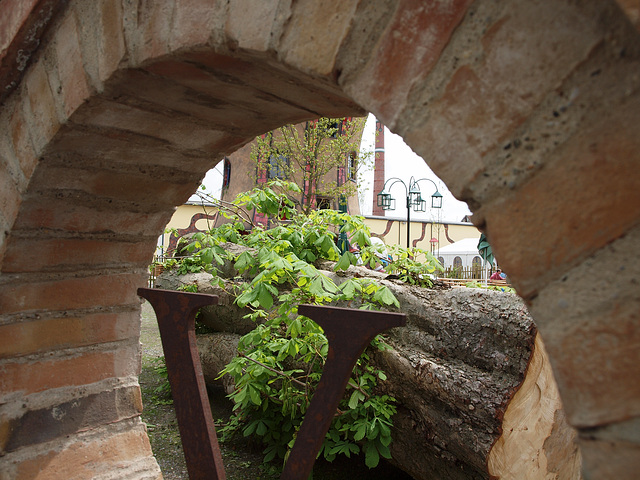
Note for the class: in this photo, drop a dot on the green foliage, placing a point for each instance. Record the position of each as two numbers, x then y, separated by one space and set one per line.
281 360
310 154
499 288
163 390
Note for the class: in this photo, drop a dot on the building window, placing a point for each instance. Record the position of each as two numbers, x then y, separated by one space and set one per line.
476 267
352 166
323 203
226 173
441 260
457 262
277 166
334 129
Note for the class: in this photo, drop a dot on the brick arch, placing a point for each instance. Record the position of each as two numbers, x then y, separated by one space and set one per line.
123 108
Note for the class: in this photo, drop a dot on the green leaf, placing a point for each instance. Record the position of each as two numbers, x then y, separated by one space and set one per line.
371 458
264 297
255 395
344 262
244 261
356 396
360 432
386 297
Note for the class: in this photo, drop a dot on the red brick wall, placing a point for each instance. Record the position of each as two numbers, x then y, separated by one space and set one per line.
527 110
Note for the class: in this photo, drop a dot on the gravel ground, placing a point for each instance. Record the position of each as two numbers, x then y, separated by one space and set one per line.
242 461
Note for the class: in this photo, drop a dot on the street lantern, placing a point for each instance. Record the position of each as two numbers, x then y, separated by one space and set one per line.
384 200
436 200
413 199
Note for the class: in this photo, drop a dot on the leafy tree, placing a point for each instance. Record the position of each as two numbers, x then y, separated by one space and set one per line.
308 155
281 360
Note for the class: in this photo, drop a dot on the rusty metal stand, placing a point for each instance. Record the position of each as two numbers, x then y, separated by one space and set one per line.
176 313
348 331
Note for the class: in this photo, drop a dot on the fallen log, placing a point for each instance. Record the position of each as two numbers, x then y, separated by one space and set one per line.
475 394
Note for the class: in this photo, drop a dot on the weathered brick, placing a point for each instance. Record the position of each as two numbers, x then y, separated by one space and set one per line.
216 111
584 193
408 49
299 94
69 371
589 322
71 292
15 14
73 330
632 9
484 89
73 81
195 21
22 145
40 109
62 214
183 134
224 96
66 253
118 147
251 25
609 460
10 197
125 186
111 44
81 458
147 29
81 413
311 24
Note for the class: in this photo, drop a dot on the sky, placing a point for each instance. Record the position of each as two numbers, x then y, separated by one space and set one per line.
400 162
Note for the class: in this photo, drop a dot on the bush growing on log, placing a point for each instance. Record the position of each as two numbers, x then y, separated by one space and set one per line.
281 360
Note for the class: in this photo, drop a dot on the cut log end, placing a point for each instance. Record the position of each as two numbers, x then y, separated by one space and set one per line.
536 441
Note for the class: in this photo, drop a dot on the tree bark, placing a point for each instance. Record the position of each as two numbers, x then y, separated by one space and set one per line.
475 394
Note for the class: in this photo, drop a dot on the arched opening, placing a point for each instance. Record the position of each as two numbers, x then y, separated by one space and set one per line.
122 110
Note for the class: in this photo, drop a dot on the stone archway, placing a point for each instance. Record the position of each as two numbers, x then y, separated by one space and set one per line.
528 110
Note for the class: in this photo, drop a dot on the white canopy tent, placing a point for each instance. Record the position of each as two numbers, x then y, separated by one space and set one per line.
463 253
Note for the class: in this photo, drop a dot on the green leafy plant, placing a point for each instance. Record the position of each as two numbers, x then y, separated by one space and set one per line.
499 288
281 360
163 390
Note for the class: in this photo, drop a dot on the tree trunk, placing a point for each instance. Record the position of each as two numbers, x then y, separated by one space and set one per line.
475 394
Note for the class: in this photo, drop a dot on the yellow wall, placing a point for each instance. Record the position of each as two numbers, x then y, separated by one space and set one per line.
396 232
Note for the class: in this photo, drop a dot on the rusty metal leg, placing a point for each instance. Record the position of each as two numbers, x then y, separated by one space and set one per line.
349 332
176 313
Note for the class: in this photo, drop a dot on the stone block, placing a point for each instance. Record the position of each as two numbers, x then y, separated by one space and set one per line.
406 52
75 329
66 215
251 25
56 372
313 24
195 22
184 133
85 412
64 254
578 203
111 44
589 321
22 144
147 27
73 87
77 291
39 107
126 451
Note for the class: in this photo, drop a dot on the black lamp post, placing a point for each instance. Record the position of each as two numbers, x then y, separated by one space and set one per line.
414 199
